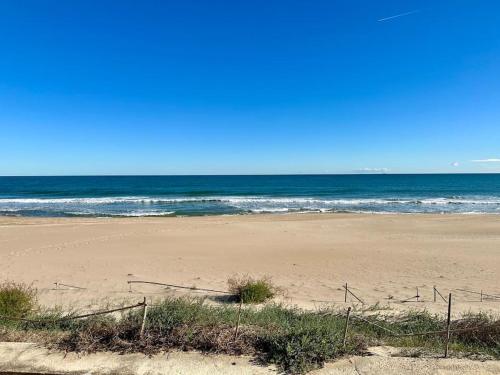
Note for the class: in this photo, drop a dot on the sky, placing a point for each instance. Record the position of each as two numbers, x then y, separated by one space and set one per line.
249 87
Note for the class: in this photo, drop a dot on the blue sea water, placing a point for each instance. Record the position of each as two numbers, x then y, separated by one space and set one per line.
215 195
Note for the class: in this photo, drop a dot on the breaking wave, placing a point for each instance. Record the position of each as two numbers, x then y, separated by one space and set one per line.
137 206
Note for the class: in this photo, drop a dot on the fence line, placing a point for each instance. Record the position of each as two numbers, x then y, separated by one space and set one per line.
64 318
427 333
144 316
448 331
416 298
347 289
437 291
69 286
480 293
392 333
344 341
130 282
374 324
144 304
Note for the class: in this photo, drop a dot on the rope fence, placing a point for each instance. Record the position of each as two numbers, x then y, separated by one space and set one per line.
68 286
130 282
436 292
66 318
483 295
448 331
417 297
348 318
348 291
356 317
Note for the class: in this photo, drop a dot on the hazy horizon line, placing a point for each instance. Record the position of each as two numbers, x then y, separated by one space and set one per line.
249 174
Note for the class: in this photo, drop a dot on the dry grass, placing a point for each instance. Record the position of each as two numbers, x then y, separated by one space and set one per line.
17 300
50 338
250 290
295 340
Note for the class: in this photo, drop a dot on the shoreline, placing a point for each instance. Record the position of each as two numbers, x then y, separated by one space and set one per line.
254 214
310 255
265 213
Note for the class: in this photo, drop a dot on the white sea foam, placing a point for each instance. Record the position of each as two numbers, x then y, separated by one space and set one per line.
104 200
253 199
107 200
164 206
150 213
123 214
270 210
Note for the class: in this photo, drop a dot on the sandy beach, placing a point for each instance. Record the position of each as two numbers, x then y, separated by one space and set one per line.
384 258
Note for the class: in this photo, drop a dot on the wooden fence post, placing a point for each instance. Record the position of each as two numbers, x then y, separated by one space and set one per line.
346 326
417 296
238 321
448 323
434 289
144 315
481 295
345 295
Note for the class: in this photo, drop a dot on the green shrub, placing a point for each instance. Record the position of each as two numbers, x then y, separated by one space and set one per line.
249 290
293 339
17 300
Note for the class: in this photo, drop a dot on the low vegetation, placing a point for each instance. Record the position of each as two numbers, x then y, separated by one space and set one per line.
17 300
249 290
295 340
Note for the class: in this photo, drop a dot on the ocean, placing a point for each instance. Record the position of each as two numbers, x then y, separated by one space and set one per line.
115 196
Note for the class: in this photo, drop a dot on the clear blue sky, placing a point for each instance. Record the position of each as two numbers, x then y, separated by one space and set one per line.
224 87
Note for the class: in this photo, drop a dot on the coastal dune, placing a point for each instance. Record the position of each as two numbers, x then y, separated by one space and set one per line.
383 258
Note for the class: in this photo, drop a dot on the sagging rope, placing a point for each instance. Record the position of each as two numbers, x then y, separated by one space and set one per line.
395 334
177 286
64 318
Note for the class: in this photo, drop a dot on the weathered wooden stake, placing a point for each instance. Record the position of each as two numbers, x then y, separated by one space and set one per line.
481 295
346 326
417 294
345 295
57 285
434 289
144 315
238 321
448 323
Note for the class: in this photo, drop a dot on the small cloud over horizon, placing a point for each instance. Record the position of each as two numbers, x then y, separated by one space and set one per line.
372 170
455 164
491 160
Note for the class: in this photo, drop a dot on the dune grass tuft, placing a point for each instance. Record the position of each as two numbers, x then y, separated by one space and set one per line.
17 300
249 290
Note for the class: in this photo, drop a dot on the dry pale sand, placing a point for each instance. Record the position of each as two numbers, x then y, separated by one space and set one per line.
310 256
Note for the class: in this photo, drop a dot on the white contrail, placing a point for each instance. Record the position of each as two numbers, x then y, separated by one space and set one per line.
399 15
